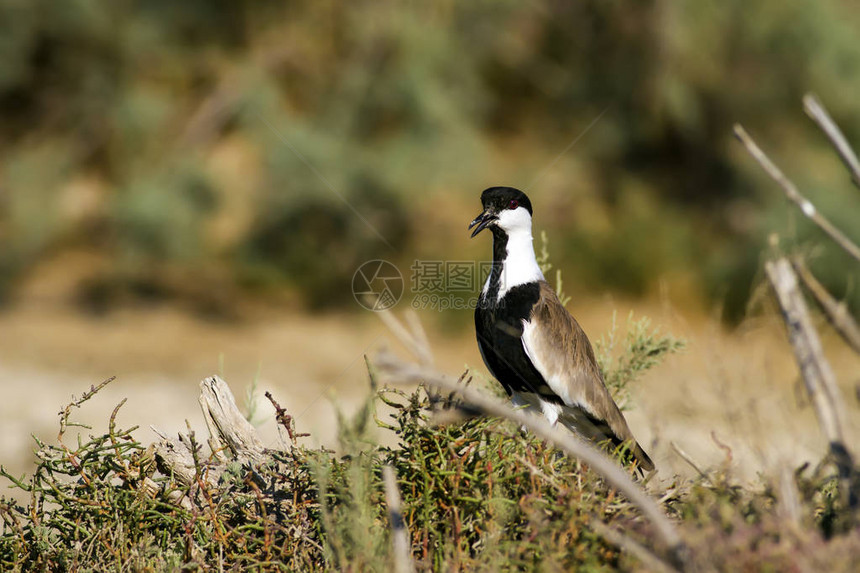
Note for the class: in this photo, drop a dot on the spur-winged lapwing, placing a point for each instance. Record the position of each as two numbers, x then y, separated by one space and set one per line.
529 341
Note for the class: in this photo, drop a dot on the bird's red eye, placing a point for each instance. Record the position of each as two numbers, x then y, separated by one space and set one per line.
513 204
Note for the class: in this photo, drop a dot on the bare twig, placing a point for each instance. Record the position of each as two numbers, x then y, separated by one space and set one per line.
600 463
631 546
724 447
399 533
789 498
817 375
835 311
413 337
806 207
689 459
285 420
819 115
66 412
420 336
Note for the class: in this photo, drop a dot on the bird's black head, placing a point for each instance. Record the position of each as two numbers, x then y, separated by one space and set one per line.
499 200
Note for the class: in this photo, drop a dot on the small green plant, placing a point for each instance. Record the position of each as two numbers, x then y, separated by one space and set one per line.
251 395
643 347
546 267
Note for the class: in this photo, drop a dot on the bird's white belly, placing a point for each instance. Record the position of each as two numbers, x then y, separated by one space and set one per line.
533 403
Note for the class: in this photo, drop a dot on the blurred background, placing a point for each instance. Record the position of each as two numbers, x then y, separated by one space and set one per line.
188 188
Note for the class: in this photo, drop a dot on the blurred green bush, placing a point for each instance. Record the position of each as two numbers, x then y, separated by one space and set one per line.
119 119
317 244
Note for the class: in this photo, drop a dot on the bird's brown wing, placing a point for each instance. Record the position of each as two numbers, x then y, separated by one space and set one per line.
562 353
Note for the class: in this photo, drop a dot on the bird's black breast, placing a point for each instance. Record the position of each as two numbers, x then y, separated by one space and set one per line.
499 329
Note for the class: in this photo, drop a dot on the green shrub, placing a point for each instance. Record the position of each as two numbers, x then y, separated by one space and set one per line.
479 495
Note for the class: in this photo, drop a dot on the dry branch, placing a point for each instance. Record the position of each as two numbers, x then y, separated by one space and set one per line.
227 426
819 115
414 338
789 498
176 458
835 311
600 463
689 459
229 433
817 375
806 206
399 532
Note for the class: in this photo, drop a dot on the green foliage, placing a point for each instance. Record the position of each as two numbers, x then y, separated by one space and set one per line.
251 396
417 102
162 216
485 495
317 244
546 266
88 506
643 348
480 495
102 505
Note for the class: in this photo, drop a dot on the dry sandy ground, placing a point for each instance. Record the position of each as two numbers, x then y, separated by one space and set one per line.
739 388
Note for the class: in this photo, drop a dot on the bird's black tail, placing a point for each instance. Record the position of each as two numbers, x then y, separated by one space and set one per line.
643 459
579 422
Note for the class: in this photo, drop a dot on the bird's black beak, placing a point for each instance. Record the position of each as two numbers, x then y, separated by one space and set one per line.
482 221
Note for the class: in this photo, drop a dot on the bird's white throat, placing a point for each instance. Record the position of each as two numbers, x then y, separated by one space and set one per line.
520 265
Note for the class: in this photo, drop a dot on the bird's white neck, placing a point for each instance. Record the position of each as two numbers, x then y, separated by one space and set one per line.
518 266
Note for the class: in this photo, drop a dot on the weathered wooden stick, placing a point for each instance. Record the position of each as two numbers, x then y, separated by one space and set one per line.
229 433
789 498
405 373
226 423
174 457
806 206
835 311
815 370
819 115
817 375
399 533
